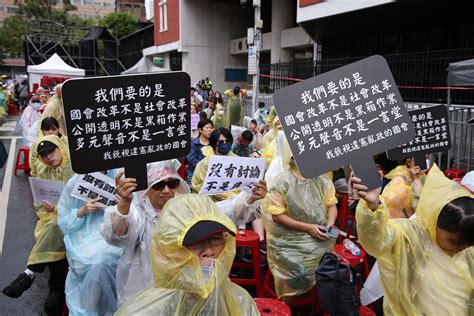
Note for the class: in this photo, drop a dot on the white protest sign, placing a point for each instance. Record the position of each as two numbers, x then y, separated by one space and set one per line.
95 185
194 121
48 190
225 174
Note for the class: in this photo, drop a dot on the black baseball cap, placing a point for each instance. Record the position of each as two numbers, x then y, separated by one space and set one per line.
45 147
202 230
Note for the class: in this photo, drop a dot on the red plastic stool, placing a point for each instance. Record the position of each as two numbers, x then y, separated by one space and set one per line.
12 110
454 173
363 311
353 260
247 238
25 164
305 299
268 306
344 216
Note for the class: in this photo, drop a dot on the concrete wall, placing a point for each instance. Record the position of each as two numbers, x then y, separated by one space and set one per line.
207 28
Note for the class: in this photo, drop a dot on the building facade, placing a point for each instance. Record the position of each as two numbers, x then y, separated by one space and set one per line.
134 7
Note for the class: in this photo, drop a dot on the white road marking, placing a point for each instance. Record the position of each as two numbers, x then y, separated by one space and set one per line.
5 193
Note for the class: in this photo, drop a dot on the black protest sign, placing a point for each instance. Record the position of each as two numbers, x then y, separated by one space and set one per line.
344 116
431 135
127 121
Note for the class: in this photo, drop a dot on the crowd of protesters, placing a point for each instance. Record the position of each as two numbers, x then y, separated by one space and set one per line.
168 250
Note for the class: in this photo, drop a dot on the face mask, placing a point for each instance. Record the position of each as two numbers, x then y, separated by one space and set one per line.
36 105
220 112
224 148
207 271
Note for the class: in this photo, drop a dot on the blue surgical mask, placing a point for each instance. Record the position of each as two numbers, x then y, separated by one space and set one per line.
224 148
36 105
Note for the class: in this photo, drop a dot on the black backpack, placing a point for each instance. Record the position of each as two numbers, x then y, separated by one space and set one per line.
336 285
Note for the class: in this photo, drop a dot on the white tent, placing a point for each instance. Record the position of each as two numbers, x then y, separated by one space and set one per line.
54 66
144 65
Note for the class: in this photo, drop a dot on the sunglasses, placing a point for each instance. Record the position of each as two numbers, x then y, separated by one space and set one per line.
171 184
227 141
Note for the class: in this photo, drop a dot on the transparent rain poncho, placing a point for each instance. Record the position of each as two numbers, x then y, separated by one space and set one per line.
134 271
276 163
218 119
234 114
401 194
90 283
33 157
49 245
418 277
293 255
180 286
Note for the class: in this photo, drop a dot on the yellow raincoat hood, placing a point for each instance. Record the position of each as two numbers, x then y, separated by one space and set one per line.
180 286
64 171
419 278
437 192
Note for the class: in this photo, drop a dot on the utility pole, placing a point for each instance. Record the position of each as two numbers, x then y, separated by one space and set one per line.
254 53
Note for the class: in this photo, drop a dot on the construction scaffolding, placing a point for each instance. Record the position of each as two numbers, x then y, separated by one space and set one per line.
91 48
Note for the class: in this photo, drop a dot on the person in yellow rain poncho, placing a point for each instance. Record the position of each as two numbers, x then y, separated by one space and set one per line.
55 109
426 264
49 247
218 119
192 252
235 107
269 142
48 126
296 212
401 194
220 143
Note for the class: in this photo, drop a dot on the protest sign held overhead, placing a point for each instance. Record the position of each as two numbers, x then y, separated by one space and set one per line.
46 190
127 121
344 116
226 174
431 135
95 185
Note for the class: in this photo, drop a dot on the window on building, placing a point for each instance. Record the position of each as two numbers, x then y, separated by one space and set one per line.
163 15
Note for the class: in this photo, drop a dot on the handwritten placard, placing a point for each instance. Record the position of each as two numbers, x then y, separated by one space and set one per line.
48 190
95 185
226 174
344 116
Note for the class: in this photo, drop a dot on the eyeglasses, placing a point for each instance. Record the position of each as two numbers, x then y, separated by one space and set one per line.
171 184
214 240
227 141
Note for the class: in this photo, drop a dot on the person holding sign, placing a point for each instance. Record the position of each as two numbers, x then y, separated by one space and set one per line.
426 264
193 248
205 128
130 224
49 250
297 212
90 283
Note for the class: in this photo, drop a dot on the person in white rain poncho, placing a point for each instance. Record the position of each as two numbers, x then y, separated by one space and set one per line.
131 223
90 283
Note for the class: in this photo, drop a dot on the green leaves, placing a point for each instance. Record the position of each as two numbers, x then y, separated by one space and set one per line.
119 24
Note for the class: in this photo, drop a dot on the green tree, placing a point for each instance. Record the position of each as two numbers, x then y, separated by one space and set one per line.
119 24
15 27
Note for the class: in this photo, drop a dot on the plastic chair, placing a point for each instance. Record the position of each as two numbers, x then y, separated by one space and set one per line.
354 260
452 173
363 311
269 306
12 110
307 299
24 164
344 216
247 238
